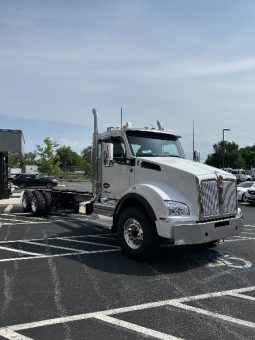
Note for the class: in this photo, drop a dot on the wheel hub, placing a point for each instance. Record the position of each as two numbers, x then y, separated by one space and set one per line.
133 233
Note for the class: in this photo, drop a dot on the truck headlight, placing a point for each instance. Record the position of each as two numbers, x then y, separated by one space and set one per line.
177 208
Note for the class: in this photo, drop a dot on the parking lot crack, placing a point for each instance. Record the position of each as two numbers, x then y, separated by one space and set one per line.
8 293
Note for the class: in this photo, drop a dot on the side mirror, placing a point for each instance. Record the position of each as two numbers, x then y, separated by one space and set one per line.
108 154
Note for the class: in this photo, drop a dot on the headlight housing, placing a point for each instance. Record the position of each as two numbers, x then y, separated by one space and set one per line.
176 208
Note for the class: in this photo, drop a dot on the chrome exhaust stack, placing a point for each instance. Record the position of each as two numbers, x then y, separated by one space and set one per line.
94 161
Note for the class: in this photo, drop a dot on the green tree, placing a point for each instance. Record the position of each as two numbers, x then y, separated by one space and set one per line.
248 154
68 158
48 161
14 161
86 160
232 156
28 158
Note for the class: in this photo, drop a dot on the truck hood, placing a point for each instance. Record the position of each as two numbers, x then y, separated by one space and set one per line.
188 166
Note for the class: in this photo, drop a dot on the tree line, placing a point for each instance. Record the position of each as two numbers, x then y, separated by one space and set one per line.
52 159
232 156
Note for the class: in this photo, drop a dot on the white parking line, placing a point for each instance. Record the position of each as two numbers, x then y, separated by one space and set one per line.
107 315
19 251
242 296
136 328
94 235
214 315
8 208
241 239
87 242
59 255
73 251
48 238
24 214
105 237
8 334
51 246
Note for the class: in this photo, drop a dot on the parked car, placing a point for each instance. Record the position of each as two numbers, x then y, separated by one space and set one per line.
242 189
250 195
31 180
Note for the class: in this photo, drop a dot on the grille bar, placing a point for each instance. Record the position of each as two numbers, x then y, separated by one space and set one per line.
215 202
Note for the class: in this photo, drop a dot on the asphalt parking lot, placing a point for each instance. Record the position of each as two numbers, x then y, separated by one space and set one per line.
63 279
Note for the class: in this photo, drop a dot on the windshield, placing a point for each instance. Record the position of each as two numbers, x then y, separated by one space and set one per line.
245 184
153 144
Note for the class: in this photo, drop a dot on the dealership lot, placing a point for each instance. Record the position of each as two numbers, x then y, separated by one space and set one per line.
63 279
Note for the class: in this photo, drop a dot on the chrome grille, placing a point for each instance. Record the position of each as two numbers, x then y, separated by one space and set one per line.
216 204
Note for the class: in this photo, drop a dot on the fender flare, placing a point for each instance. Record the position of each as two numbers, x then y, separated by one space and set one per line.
132 197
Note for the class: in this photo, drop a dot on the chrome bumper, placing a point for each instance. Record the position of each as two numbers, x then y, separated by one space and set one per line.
208 231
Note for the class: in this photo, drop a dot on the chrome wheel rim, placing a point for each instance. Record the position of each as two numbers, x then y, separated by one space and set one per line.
133 233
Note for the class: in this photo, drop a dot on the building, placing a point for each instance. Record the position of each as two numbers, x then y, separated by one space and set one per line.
11 143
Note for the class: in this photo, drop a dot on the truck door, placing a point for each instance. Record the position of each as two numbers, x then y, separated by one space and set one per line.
116 176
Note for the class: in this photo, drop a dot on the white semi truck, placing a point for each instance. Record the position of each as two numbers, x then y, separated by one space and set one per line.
145 189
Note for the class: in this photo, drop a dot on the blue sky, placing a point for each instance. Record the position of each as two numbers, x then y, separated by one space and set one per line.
175 61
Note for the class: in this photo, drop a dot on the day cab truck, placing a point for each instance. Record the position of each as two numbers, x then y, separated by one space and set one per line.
145 189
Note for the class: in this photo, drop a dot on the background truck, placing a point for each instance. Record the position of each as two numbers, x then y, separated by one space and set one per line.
31 169
253 173
240 175
145 189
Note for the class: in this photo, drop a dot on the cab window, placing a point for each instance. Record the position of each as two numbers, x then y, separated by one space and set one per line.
119 149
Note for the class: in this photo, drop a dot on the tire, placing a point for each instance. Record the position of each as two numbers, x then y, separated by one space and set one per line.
38 204
26 201
48 202
137 234
243 198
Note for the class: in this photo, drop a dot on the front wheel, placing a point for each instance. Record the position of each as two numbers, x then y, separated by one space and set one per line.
137 234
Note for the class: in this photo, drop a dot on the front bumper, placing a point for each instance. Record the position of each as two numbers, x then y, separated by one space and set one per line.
197 233
250 198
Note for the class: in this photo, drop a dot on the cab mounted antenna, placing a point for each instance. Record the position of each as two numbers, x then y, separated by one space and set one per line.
121 119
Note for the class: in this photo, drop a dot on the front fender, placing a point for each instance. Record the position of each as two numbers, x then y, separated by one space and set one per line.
152 197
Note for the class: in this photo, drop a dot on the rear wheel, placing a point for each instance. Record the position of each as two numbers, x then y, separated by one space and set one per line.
137 234
26 201
48 202
38 204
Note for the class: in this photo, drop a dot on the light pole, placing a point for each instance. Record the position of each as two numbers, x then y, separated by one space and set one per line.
223 148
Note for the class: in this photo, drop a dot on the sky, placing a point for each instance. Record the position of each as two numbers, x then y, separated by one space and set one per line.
175 61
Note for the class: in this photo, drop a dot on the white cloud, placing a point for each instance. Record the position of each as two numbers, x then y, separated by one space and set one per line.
76 145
